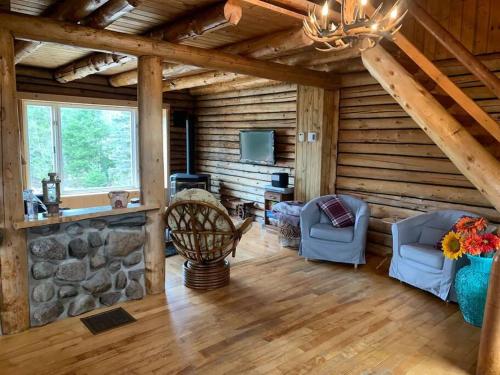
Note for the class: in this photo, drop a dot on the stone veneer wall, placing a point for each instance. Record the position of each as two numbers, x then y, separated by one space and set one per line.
77 267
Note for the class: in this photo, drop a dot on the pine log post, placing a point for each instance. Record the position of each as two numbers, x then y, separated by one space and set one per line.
315 162
488 362
466 153
456 48
150 98
190 27
14 310
64 10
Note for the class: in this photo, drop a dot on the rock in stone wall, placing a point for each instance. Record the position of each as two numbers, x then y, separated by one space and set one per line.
77 267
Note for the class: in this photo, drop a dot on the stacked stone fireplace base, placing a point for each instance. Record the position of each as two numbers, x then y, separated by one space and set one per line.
77 267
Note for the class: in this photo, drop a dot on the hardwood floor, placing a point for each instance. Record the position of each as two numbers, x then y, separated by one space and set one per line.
279 315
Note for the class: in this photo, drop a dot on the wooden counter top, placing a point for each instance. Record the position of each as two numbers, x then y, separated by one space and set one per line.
81 214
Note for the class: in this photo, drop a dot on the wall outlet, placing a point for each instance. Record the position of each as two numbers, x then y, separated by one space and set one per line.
301 137
311 137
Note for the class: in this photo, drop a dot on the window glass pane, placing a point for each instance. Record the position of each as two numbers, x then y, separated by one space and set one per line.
40 144
97 148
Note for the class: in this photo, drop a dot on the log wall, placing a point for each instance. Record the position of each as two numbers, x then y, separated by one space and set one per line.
383 155
220 117
387 160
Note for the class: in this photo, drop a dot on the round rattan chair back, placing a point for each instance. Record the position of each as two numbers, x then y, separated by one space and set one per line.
201 232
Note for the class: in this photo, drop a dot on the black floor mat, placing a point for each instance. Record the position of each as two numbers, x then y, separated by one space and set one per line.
107 320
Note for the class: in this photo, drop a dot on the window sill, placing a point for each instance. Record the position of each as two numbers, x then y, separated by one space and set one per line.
69 216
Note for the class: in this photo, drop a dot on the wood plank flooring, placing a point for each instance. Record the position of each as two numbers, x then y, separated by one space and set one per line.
279 315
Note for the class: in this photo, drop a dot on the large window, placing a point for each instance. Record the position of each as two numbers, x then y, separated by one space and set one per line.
93 148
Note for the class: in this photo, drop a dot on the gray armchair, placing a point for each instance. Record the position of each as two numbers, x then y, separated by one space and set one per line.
321 240
416 261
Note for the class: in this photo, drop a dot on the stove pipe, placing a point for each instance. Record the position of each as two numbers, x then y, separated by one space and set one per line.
184 119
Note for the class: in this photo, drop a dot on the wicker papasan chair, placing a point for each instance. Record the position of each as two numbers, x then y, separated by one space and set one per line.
204 234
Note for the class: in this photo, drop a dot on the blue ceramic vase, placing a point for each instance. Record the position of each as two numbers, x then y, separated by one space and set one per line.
471 284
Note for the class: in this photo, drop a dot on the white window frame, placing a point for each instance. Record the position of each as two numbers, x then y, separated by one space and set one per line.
57 141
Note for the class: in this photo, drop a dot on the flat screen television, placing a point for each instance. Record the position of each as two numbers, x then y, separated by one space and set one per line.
257 146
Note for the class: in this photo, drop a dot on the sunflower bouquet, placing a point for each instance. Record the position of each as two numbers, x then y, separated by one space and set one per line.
469 236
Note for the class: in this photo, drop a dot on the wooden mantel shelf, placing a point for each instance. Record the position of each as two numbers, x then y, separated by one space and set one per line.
69 216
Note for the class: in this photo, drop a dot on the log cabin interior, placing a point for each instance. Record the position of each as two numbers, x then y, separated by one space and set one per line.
249 186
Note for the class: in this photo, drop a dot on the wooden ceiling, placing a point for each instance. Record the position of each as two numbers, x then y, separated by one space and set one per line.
255 21
476 23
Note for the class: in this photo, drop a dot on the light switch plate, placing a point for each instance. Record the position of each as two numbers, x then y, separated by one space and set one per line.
311 137
301 137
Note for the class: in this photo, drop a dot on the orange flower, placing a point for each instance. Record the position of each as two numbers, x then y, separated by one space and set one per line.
473 244
470 225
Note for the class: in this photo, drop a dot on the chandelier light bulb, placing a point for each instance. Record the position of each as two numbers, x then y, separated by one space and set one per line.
324 10
354 25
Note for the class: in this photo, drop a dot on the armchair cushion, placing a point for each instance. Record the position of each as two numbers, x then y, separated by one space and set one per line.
339 214
424 254
431 235
328 232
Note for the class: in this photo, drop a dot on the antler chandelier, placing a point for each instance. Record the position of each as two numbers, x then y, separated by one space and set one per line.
354 25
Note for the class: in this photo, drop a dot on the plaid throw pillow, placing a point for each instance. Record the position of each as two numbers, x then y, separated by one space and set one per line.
339 214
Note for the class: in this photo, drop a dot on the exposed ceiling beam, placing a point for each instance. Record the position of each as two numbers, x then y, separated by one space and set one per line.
265 48
199 23
315 60
274 8
110 12
242 83
64 10
48 30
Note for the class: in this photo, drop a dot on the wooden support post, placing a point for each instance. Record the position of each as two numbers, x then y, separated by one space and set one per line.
456 48
470 157
14 310
150 98
315 162
488 362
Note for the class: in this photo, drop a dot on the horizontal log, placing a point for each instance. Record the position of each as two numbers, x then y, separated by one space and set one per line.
289 106
249 117
440 179
376 123
64 10
47 30
239 84
199 23
425 151
261 99
424 191
277 88
398 162
110 12
422 205
259 48
410 136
